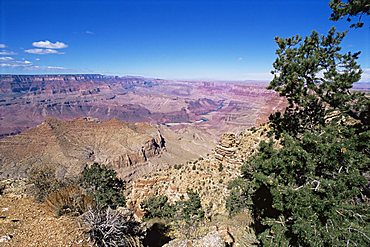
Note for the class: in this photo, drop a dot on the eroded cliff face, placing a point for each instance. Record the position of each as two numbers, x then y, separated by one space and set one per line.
208 175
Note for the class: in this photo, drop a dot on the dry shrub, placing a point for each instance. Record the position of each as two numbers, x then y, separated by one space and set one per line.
109 227
69 200
44 181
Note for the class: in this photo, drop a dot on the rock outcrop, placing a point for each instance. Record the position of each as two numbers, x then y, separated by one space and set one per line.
226 150
208 175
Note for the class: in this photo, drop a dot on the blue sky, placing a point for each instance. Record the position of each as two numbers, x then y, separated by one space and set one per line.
178 39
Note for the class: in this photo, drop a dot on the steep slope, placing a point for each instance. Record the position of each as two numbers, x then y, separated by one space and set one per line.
130 148
208 175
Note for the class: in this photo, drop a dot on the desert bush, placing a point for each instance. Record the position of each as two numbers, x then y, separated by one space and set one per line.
108 227
220 167
102 184
69 200
192 207
158 207
240 195
44 181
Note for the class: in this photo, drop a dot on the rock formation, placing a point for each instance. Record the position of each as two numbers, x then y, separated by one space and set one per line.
208 175
217 107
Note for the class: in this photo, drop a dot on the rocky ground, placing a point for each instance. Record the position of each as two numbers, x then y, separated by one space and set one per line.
208 175
24 222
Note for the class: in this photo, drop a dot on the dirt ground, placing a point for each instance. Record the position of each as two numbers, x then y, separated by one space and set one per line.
23 222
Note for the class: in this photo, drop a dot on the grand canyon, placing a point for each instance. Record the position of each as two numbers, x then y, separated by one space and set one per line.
150 123
69 121
215 107
162 137
150 131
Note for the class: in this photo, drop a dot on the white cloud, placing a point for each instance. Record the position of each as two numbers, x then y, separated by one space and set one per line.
45 68
28 65
43 51
6 58
37 59
49 45
16 64
2 45
365 77
55 68
7 53
89 32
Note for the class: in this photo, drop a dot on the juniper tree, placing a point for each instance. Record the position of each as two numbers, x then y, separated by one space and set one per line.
316 79
103 185
349 9
313 188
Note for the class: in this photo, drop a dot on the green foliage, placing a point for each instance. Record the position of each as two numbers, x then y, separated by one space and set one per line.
103 185
158 207
310 192
191 208
44 181
220 167
239 197
316 80
349 9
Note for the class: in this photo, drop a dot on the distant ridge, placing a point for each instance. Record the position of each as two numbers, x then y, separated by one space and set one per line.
50 77
26 100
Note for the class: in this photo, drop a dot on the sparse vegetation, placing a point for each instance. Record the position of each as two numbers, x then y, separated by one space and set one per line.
191 207
220 167
239 197
158 207
69 200
44 181
108 227
184 216
97 186
102 184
